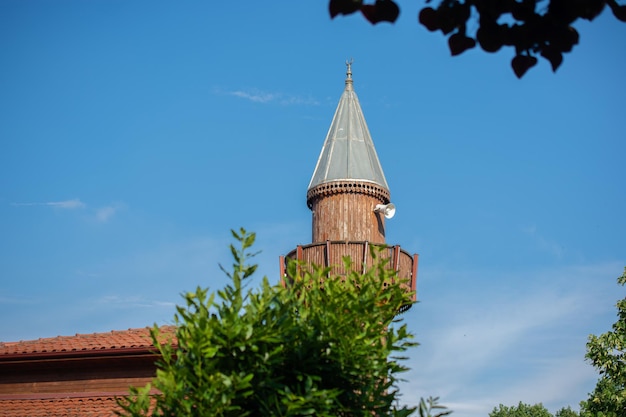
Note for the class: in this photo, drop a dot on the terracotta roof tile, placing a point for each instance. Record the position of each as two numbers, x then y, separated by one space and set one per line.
60 407
116 339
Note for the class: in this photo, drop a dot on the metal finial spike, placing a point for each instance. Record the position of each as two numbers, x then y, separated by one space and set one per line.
349 68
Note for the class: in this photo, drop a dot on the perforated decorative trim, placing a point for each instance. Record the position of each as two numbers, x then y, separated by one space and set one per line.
339 187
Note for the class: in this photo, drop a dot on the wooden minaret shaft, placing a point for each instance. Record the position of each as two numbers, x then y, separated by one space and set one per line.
344 210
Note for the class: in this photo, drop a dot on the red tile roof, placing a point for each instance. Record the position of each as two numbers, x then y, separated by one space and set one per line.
72 404
111 341
102 406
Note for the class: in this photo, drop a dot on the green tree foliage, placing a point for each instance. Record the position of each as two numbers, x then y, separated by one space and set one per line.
431 408
532 27
527 410
566 412
320 346
607 354
520 410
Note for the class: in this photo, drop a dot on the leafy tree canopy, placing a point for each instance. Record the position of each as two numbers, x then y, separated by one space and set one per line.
520 410
532 27
566 412
607 354
321 346
527 410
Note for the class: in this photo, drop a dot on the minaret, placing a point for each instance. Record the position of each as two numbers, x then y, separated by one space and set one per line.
349 198
348 181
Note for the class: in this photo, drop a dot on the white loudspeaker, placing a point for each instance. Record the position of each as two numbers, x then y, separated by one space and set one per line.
389 210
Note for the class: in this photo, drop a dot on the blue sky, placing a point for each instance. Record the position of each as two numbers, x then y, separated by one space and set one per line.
135 134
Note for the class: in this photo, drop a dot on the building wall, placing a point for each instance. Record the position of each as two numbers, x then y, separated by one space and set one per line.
76 375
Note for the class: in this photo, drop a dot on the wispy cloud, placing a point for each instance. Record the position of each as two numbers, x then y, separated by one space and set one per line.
256 96
264 97
101 214
104 214
65 204
133 302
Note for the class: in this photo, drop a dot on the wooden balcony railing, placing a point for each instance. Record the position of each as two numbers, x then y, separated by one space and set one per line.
330 254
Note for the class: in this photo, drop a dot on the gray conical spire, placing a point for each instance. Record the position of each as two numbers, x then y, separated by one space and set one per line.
348 152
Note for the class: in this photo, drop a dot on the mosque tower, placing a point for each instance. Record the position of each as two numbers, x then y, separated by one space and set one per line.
349 198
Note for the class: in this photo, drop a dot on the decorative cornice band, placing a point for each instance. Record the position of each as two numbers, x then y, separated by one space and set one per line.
349 187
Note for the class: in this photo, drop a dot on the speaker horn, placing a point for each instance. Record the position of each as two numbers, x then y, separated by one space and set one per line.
388 210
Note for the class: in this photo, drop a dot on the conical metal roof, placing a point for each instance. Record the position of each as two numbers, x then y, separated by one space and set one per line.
348 152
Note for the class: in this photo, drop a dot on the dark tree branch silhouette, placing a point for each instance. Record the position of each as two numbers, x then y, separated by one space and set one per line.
533 27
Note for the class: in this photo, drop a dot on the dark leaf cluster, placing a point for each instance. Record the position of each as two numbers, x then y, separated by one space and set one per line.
534 28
